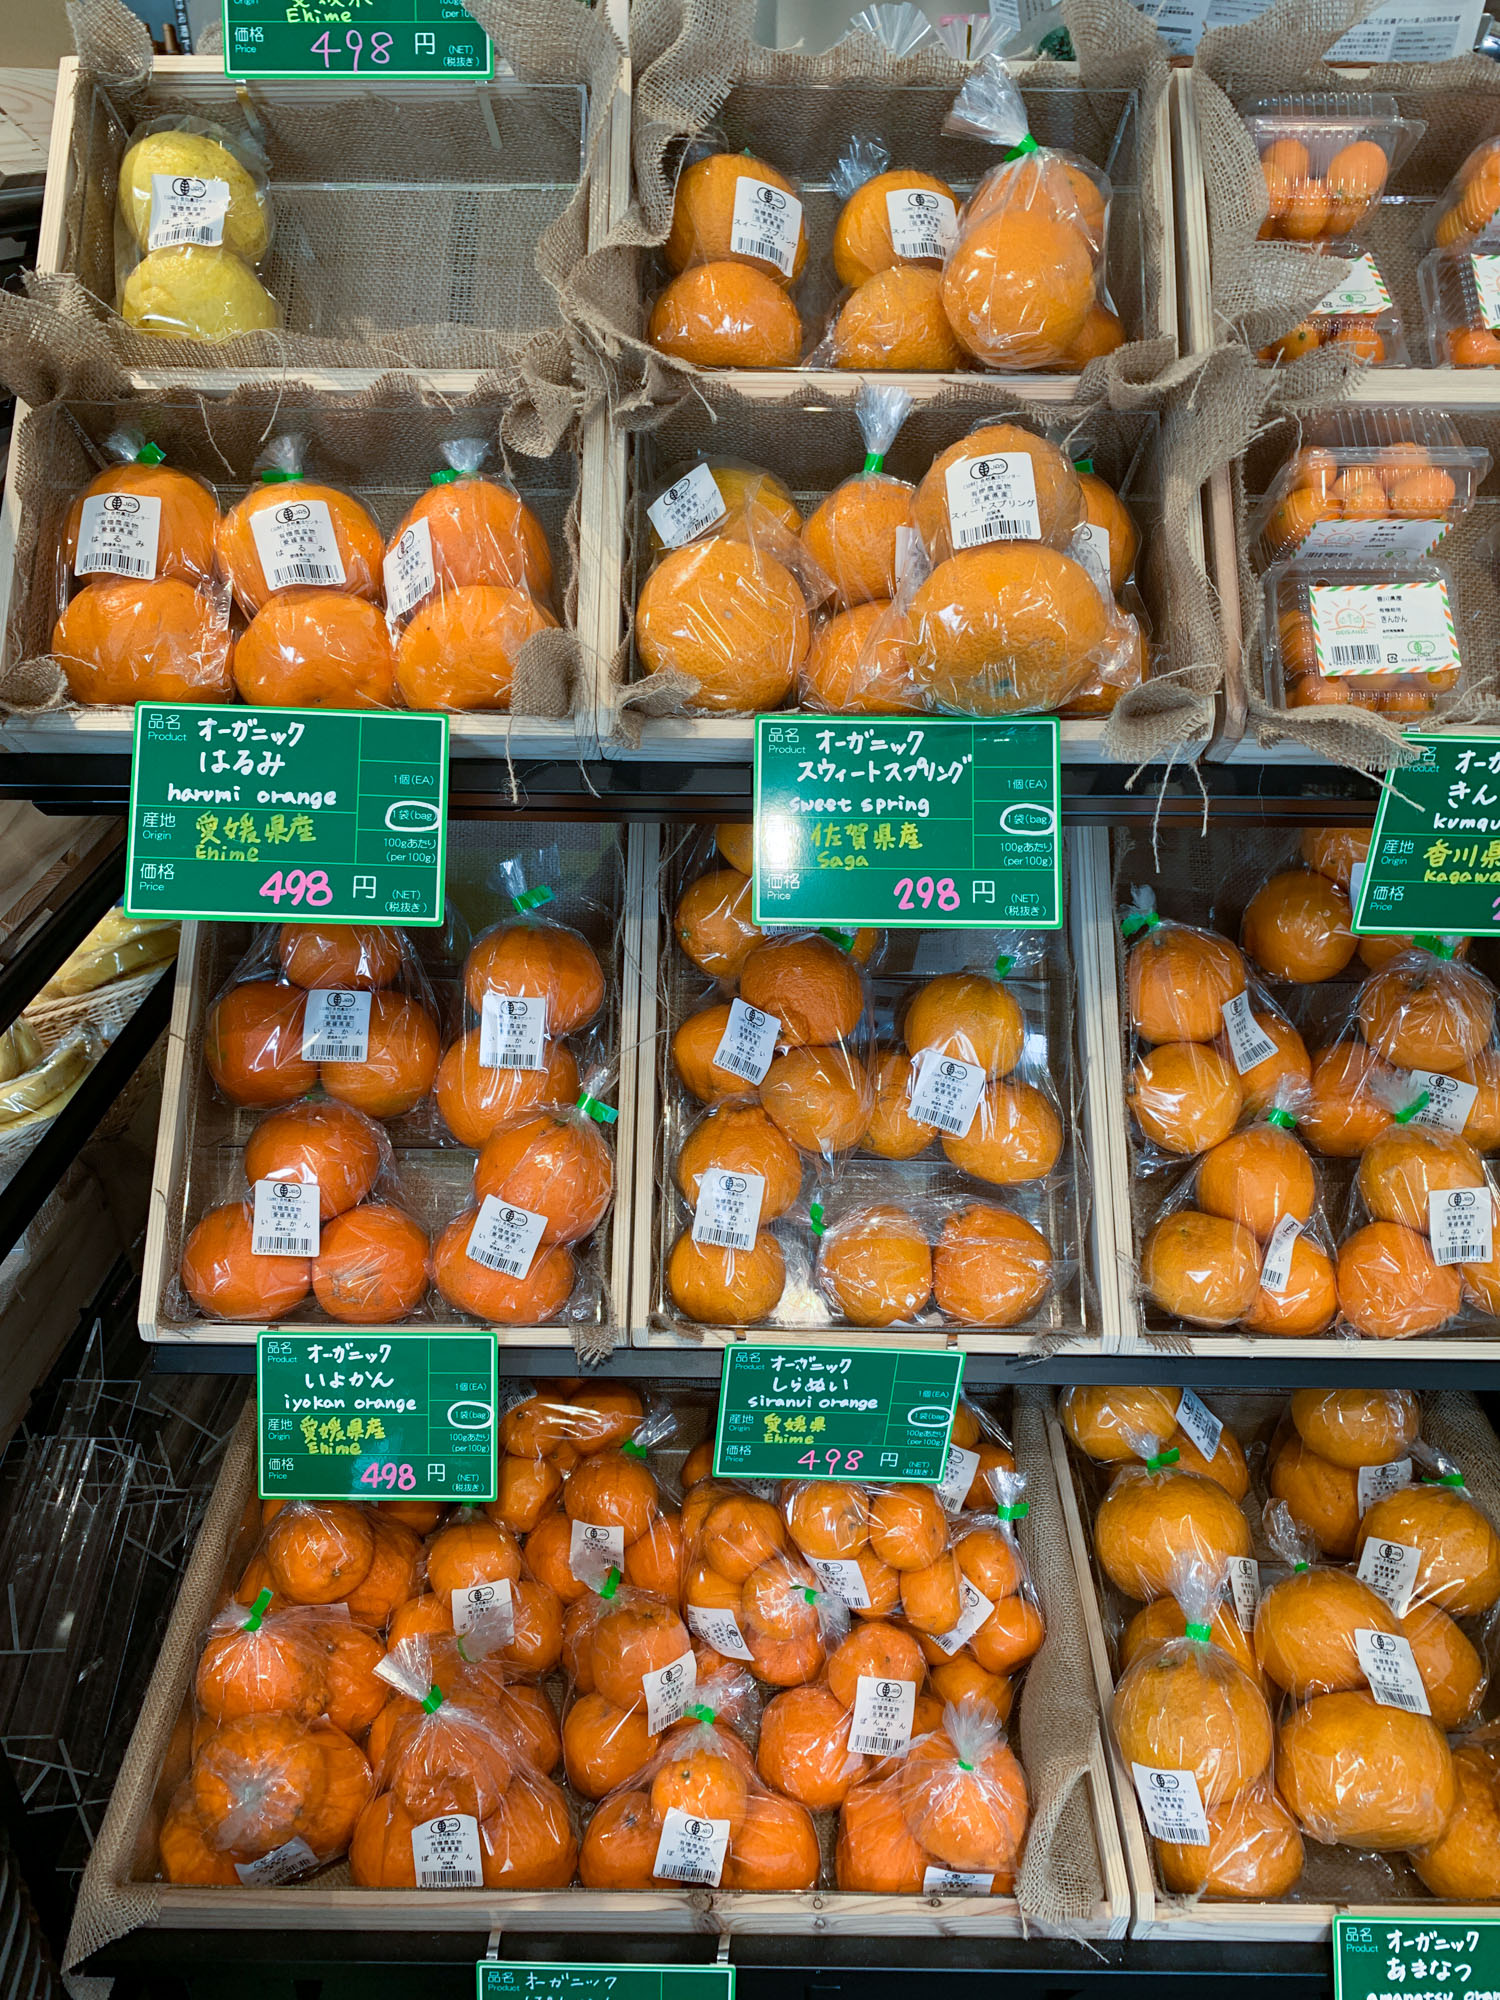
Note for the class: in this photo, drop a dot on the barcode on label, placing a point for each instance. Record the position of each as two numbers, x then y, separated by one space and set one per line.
446 1876
187 232
742 1062
758 246
999 528
1356 656
498 1260
282 1246
881 1746
308 572
723 1239
124 565
343 1052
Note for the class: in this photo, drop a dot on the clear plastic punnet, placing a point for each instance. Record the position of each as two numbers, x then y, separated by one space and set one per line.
1327 158
1470 202
1377 635
1356 316
1460 290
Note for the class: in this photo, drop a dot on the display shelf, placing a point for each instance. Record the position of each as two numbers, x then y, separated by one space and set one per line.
93 888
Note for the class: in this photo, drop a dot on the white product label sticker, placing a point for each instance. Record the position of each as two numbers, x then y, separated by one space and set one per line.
958 1477
1090 546
728 1212
669 1690
767 223
955 1882
883 1714
691 1849
410 574
1390 1667
1363 292
1201 1425
1390 1569
1249 1043
719 1629
1486 273
336 1025
1172 1805
842 1579
1244 1583
1276 1266
924 224
993 500
445 1853
1449 1100
974 1608
505 1238
186 209
595 1548
1461 1225
687 509
1372 538
1382 628
945 1092
513 1031
296 544
282 1864
118 534
748 1042
486 1607
1374 1482
284 1221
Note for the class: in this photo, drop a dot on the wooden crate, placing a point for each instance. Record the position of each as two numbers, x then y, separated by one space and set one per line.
199 1139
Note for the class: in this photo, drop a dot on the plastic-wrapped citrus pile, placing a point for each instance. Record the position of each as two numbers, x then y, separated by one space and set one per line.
1303 1619
856 1145
335 1039
1011 279
1002 581
294 595
1313 1116
623 1678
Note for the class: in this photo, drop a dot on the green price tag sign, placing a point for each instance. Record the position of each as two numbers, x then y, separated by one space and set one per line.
1434 863
1416 1958
394 38
809 1412
307 815
524 1980
907 824
354 1416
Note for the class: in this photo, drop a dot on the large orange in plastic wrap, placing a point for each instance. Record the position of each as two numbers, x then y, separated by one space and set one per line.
1350 1103
892 1133
1452 1672
461 648
730 618
1201 1267
474 1101
1017 288
968 1015
862 240
820 1097
528 1843
776 1848
358 957
712 922
804 1748
371 1266
1190 1707
1163 1619
361 546
1254 1852
741 1139
971 1816
876 1850
703 215
991 1267
719 1287
482 532
1257 1176
1297 926
876 1265
855 536
860 663
494 1295
1335 851
1400 1171
1390 1287
544 959
726 315
1177 980
223 1276
256 1782
1185 1096
1460 1566
121 642
1148 1524
1321 1497
186 525
560 1168
400 1064
1016 1136
317 649
811 987
1059 495
327 1144
1365 1775
1427 1013
1307 1304
1110 1424
1305 1627
1007 627
896 320
1355 1427
1462 1865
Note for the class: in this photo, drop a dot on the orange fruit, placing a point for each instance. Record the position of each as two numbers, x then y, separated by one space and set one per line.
827 1519
356 1694
1201 1267
1283 1078
1227 1467
820 1097
546 1551
1367 1776
327 1145
1108 1424
1016 1136
317 649
739 1533
962 1676
908 1528
877 1852
719 1287
1321 1497
1389 1286
860 662
1257 1176
1453 1674
697 1466
1427 1013
1356 175
804 1748
620 1843
188 518
474 1101
1254 1852
320 1552
1191 1708
256 1782
757 507
1185 1096
703 1782
1297 925
357 957
808 984
1349 1107
713 925
1103 508
361 546
1309 1302
528 1843
1177 980
391 1579
776 1848
120 642
1008 627
481 532
1284 162
632 1640
969 1816
1163 1619
1066 189
1399 1171
419 1617
1355 1427
1377 952
930 1600
1305 1627
735 839
730 618
1460 1566
494 1296
275 1668
545 959
1017 287
877 1651
183 1848
862 239
461 649
892 1133
876 1266
694 1046
897 320
471 1551
741 1139
528 1489
1101 333
1462 1865
1059 496
371 1266
703 210
401 1063
557 1167
726 315
990 1267
614 1490
854 536
968 1015
225 1279
1149 1523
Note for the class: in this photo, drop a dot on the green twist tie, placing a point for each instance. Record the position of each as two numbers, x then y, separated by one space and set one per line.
815 1217
1168 1457
531 899
462 1650
432 1701
610 1584
446 477
276 475
963 1766
699 1711
150 454
1003 964
1440 947
635 1450
809 1597
1298 1568
1137 921
1418 1103
1017 1511
604 1114
1201 1633
1021 148
873 461
1058 45
1083 465
258 1611
1445 1479
843 939
1276 1116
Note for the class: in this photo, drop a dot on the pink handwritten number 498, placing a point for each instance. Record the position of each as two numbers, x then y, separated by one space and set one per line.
311 888
397 1478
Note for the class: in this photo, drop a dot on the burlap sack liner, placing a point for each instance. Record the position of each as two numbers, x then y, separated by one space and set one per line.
381 442
1059 1889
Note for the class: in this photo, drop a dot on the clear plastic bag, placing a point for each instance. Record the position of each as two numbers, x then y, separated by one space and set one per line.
736 248
294 533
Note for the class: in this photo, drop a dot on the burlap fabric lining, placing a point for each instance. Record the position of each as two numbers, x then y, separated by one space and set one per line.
1061 1883
443 254
381 443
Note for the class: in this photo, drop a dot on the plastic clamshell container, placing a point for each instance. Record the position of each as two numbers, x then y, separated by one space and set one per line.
1371 635
1327 158
1461 303
1357 314
1470 204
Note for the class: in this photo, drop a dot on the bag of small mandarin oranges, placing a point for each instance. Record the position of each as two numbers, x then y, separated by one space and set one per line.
1024 284
468 581
303 559
142 612
892 234
726 612
735 252
748 1592
1114 1425
1000 1626
977 1447
1011 618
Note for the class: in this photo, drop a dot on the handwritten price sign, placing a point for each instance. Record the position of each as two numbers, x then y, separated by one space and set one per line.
836 1412
427 38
